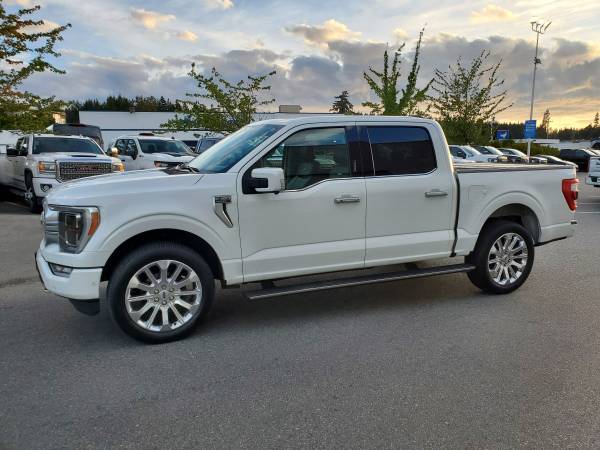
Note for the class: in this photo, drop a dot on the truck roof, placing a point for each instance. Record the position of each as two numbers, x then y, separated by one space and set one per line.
60 136
334 118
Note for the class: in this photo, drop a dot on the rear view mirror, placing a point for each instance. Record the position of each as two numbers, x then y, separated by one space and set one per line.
268 179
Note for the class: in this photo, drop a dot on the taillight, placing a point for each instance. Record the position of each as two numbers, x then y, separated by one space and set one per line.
570 191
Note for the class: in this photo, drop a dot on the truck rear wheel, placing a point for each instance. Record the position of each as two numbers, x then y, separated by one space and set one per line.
503 257
160 291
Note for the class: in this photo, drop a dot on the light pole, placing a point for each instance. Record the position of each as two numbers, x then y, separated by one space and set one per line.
539 28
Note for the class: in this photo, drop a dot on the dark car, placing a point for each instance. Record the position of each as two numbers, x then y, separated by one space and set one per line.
579 156
557 161
517 156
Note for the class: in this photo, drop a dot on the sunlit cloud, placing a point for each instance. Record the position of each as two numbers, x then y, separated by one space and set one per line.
218 4
187 35
321 35
492 13
150 19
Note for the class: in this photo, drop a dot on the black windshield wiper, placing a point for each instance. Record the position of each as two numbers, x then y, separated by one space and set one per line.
187 167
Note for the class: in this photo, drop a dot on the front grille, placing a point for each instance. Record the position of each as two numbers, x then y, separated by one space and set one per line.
68 170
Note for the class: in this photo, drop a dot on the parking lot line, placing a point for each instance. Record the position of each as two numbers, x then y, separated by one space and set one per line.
587 212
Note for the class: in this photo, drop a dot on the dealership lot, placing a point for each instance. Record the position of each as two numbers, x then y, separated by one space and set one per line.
426 363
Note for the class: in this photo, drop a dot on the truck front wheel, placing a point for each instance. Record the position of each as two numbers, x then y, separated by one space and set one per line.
32 200
503 257
160 291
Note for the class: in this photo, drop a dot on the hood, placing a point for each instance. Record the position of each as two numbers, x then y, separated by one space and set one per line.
53 156
171 157
94 191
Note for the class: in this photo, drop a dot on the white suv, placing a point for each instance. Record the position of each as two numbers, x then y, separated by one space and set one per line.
149 152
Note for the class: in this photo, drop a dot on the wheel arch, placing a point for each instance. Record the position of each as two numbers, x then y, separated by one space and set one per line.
519 213
166 235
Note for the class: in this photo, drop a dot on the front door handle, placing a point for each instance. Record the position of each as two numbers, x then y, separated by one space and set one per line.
435 193
346 199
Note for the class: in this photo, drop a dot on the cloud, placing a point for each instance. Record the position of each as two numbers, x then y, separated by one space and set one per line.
47 25
24 3
400 34
330 31
218 4
150 19
492 13
187 35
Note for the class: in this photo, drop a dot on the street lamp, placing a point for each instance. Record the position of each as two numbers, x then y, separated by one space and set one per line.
539 27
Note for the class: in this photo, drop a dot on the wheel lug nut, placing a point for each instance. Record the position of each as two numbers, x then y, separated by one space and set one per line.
164 302
171 297
156 291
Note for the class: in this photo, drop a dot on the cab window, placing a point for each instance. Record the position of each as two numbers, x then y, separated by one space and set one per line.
310 156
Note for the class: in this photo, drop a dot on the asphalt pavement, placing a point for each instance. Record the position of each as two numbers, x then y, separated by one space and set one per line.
430 363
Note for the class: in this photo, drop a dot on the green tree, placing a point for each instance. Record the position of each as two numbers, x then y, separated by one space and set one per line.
342 105
467 98
232 105
546 122
24 49
384 85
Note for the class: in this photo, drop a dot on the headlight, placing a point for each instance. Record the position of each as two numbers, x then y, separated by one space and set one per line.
76 226
47 167
118 167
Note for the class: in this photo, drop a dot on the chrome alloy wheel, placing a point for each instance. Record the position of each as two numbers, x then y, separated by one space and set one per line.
507 259
163 295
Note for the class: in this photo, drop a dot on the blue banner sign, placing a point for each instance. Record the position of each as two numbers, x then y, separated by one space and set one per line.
502 134
529 129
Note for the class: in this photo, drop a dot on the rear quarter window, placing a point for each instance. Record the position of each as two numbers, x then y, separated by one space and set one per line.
401 150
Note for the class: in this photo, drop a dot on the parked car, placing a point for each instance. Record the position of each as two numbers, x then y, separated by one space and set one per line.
518 156
579 156
468 153
40 162
206 143
595 143
161 238
149 151
489 150
557 161
593 177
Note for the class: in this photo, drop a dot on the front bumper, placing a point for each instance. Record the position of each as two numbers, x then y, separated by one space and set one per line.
42 186
81 284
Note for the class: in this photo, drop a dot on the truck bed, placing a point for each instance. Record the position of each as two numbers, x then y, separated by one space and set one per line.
474 167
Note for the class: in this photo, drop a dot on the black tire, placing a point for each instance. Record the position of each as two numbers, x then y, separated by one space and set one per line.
31 200
138 259
480 257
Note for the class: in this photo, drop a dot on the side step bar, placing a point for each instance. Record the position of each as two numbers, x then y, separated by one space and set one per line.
357 281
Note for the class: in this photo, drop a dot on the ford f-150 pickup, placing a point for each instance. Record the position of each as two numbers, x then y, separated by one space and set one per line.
289 198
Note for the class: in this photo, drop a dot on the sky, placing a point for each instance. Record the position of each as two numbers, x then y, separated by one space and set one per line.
321 47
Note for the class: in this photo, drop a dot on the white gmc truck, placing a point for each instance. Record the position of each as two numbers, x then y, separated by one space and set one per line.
288 198
39 162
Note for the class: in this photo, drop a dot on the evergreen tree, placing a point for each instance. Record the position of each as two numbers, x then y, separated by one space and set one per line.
546 122
597 120
342 105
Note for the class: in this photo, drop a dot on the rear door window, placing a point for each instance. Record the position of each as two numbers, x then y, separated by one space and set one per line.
401 150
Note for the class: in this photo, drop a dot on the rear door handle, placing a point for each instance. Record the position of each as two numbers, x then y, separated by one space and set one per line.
346 199
435 193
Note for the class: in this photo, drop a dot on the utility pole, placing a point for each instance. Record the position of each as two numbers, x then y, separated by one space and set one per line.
539 28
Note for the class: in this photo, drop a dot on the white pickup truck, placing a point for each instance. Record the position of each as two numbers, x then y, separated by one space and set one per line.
593 176
40 162
288 198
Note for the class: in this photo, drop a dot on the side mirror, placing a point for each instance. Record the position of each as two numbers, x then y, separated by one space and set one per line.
114 151
268 179
11 151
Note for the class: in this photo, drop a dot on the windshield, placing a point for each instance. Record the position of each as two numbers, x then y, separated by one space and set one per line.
170 147
226 153
64 145
471 150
